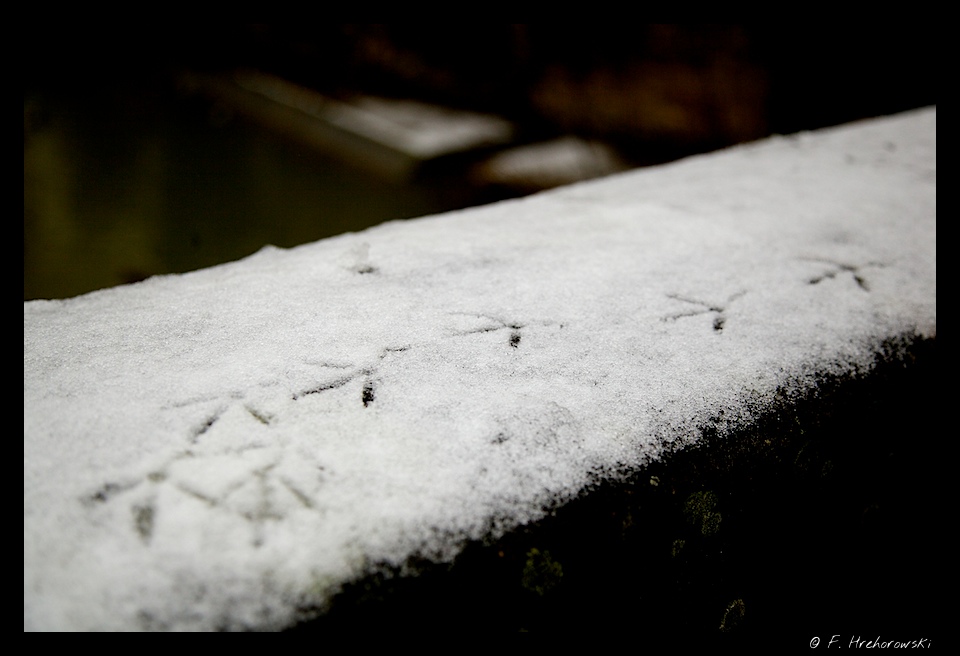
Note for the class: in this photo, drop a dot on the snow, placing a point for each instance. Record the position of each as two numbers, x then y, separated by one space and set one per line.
563 160
420 130
221 448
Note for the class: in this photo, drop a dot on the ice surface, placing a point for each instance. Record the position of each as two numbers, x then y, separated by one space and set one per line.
221 448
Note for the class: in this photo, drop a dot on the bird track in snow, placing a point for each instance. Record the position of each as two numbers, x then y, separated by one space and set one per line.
719 309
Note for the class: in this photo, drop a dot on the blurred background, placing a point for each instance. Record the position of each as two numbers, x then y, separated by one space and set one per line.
171 148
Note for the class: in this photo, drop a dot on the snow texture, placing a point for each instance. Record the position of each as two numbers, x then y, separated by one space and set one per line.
220 449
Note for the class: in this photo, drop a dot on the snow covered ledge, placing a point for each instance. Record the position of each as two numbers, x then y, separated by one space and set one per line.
231 447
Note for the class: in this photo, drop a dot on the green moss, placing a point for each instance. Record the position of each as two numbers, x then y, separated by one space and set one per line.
699 511
541 573
677 547
733 615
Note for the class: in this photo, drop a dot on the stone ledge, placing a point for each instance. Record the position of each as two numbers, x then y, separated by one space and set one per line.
242 447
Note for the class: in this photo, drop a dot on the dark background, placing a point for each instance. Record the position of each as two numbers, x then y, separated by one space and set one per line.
128 175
